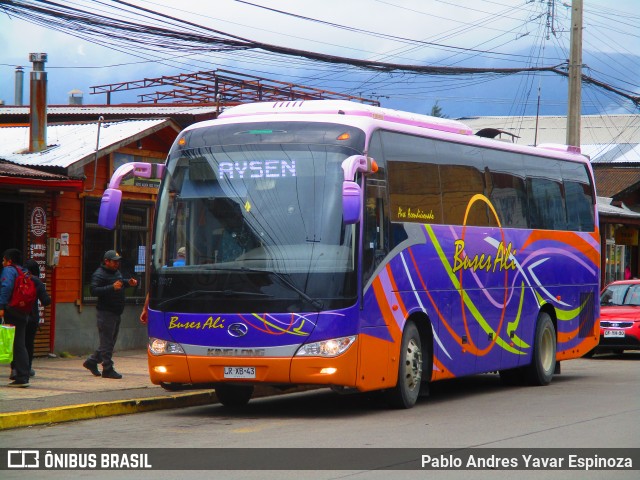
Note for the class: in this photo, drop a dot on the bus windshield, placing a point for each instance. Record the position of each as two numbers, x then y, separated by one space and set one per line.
255 214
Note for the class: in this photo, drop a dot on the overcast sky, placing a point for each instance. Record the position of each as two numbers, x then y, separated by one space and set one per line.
498 33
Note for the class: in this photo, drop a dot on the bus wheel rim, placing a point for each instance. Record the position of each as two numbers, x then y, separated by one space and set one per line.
413 373
546 350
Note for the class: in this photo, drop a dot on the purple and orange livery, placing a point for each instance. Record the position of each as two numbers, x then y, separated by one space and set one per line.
338 244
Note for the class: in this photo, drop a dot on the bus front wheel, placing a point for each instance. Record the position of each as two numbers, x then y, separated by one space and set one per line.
543 364
234 396
406 392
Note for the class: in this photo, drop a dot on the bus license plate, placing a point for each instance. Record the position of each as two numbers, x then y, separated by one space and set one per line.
613 333
239 372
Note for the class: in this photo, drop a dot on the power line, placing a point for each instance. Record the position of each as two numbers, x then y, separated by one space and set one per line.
161 32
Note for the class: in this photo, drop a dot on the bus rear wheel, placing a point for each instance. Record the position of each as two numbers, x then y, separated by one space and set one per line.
234 396
406 392
540 372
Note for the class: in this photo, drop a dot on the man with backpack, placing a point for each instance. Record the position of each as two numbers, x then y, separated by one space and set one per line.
15 305
33 320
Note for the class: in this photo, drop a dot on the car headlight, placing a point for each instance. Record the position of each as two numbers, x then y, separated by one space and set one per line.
326 348
164 347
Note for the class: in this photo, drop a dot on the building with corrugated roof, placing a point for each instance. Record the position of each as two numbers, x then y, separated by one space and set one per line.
50 201
182 114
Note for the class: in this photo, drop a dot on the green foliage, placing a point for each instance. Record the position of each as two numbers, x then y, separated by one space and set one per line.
436 111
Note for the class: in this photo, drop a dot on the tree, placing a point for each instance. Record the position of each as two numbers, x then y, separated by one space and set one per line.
436 111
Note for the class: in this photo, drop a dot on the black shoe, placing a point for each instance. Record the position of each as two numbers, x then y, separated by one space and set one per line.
111 373
18 384
13 375
92 367
32 372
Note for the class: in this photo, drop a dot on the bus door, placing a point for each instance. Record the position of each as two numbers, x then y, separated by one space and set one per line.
375 236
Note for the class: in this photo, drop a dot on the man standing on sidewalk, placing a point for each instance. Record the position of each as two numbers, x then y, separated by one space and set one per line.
108 285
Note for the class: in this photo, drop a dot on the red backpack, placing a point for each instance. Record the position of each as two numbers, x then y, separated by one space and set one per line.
24 294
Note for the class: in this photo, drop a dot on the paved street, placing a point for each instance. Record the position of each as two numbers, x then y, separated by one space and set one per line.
594 403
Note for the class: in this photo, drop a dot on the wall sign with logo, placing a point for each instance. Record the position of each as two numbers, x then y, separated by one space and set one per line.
38 221
38 244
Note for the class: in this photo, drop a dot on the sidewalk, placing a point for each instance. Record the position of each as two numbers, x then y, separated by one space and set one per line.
63 390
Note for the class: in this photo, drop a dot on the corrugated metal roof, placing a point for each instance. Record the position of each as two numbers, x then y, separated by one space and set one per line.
605 208
619 153
612 181
97 110
12 170
72 143
604 138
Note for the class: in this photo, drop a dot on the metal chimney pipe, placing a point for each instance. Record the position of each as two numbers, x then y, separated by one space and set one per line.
19 86
38 103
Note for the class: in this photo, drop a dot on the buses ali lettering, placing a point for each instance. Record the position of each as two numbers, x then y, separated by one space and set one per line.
503 259
209 324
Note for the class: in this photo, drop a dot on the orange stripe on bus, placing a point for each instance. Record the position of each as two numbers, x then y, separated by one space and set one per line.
440 372
578 350
385 309
395 292
568 238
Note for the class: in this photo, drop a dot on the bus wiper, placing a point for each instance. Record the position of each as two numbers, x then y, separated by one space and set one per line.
225 293
285 279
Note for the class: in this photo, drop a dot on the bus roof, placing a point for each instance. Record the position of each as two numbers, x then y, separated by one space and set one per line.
357 110
343 107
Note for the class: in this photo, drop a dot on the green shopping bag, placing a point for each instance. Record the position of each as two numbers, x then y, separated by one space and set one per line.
7 334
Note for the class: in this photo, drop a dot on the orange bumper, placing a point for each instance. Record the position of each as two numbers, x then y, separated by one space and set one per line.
339 370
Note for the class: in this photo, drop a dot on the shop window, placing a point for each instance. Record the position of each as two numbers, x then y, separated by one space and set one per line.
130 238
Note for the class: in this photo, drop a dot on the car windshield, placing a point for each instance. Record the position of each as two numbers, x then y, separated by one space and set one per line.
621 294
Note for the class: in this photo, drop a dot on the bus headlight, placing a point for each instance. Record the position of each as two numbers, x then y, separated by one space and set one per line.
164 347
326 348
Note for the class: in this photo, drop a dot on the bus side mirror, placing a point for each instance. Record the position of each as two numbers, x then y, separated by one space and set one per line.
110 203
351 202
109 207
351 191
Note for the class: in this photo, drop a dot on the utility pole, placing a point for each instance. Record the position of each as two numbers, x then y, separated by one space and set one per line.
575 75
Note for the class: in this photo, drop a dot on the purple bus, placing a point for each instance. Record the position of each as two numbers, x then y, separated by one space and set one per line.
360 248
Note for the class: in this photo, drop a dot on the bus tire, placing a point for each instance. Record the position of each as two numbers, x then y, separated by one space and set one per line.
234 396
543 364
406 392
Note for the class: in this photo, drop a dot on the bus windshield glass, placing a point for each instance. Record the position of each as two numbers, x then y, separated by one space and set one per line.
253 213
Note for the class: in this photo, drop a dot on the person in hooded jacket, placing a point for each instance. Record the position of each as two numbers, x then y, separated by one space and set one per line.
11 260
33 320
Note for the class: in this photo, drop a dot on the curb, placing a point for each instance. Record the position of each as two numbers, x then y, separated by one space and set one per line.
86 411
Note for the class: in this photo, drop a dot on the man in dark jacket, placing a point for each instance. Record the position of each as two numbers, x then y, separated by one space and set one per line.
108 285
